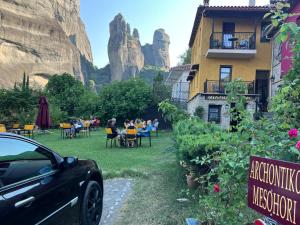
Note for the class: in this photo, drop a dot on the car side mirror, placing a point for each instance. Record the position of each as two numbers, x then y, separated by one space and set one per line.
70 162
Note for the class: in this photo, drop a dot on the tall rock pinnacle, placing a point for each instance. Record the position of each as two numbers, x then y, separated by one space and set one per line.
126 55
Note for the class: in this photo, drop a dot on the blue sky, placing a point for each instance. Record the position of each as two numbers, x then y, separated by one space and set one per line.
175 16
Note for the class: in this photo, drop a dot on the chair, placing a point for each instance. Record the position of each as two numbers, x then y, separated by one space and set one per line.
2 129
16 126
66 129
145 135
131 136
28 130
86 130
110 136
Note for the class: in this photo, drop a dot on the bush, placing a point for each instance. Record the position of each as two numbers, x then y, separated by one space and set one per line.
124 99
199 112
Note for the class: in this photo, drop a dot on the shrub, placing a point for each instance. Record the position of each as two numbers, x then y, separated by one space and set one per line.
124 99
199 112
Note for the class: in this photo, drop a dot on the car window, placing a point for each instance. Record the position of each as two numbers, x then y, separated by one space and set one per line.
20 160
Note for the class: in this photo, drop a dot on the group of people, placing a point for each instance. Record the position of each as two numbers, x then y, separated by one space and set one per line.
78 124
142 127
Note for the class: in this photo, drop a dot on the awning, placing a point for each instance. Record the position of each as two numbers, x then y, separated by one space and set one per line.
195 67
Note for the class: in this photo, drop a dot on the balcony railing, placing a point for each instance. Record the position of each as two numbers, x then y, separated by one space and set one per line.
237 40
216 86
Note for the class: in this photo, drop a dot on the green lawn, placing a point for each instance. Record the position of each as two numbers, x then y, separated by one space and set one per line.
158 178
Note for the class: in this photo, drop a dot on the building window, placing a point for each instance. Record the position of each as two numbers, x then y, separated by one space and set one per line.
225 73
225 77
263 31
214 113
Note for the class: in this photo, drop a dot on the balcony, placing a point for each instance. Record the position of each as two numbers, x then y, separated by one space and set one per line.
238 45
218 87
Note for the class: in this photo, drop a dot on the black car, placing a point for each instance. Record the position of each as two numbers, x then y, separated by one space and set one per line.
37 186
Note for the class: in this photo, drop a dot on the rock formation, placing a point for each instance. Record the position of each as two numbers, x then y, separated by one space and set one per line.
126 55
41 38
124 50
157 54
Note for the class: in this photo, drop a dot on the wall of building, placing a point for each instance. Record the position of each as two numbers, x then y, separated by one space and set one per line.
200 100
180 89
276 66
241 68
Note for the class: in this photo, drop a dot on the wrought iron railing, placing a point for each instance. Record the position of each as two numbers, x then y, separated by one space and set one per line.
216 86
237 40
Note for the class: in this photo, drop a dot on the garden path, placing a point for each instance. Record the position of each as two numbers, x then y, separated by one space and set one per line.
116 192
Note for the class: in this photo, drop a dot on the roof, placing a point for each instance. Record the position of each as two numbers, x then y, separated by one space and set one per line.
214 11
182 68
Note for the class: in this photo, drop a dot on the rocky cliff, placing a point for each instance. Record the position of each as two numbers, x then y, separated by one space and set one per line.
41 38
157 54
124 50
126 55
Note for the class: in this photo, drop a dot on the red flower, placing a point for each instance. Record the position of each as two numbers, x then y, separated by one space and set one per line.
298 145
293 133
216 188
259 222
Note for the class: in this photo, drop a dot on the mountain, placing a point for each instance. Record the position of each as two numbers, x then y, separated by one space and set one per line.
42 38
128 57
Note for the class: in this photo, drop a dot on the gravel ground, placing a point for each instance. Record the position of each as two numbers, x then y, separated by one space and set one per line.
116 192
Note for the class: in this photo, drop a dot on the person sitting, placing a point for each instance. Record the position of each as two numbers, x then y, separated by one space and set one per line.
145 132
112 125
155 126
126 124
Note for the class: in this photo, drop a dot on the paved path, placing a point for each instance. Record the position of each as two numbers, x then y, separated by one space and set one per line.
116 192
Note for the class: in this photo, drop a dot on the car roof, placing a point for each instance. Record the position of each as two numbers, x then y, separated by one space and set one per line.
16 136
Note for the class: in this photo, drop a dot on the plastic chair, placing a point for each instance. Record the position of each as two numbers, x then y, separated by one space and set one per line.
110 136
131 136
2 129
66 127
28 130
86 129
16 126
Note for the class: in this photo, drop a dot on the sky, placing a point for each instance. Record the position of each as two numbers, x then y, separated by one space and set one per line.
175 16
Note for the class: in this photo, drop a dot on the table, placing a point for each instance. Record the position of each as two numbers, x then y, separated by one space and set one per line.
22 132
17 131
233 39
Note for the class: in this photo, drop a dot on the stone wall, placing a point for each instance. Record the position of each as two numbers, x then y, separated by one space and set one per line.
276 66
200 100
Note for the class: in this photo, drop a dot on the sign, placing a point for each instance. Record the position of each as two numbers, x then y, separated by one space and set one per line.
224 97
274 189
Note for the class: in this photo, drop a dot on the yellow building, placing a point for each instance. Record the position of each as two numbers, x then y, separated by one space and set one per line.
228 43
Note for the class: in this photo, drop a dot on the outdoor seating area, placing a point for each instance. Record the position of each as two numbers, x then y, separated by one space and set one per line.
26 130
131 134
78 128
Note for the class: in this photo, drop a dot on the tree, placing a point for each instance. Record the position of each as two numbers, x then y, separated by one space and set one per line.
186 57
124 99
65 91
19 103
160 91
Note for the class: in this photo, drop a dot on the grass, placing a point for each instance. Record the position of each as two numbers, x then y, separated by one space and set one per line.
159 180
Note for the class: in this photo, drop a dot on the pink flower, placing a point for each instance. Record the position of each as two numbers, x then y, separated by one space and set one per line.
298 145
216 188
293 133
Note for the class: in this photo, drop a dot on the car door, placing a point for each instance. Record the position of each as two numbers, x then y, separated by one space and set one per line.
32 189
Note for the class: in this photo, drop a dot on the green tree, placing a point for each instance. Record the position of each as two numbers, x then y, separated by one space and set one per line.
124 99
160 91
186 57
66 92
19 103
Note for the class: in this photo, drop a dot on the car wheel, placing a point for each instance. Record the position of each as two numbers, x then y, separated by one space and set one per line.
92 204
